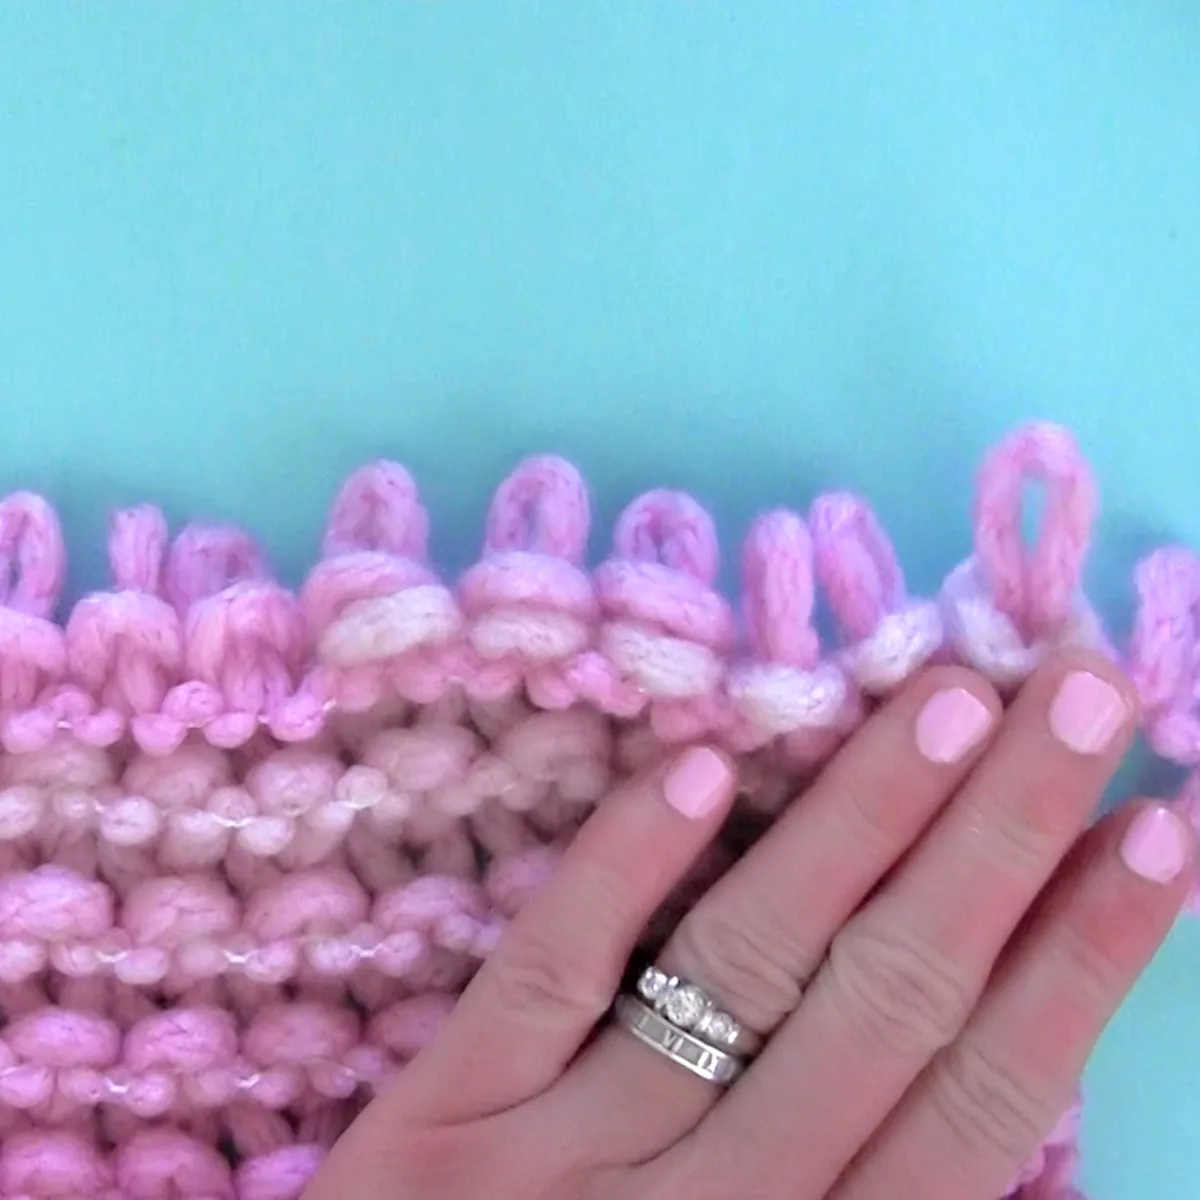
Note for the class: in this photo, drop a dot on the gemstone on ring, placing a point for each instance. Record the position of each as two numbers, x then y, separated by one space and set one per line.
653 984
718 1026
684 1006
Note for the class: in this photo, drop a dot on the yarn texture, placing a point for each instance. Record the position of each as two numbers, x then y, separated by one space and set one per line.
253 843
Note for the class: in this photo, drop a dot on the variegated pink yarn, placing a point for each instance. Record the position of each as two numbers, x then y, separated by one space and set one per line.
254 843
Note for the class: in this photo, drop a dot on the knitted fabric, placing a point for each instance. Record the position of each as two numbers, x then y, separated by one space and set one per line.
253 843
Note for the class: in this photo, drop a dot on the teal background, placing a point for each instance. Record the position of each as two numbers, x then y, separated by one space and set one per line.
751 249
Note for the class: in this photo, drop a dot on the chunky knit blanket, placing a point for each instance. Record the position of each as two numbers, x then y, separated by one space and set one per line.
253 842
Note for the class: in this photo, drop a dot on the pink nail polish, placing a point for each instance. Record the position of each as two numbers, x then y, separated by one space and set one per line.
1087 713
698 783
951 723
1156 845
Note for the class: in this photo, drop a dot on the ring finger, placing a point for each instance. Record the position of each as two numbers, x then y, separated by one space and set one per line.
760 932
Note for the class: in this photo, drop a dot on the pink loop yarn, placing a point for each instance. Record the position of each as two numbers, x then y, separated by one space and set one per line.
665 630
253 845
785 689
32 558
1163 660
890 636
206 559
531 605
1036 589
126 646
33 651
1007 607
244 636
378 611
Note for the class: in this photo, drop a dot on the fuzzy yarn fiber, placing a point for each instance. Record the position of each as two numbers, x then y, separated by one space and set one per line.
253 843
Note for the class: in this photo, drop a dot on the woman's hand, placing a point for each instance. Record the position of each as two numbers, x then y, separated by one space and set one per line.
927 940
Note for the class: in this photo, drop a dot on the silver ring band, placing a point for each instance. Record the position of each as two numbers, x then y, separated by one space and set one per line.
690 1008
651 1029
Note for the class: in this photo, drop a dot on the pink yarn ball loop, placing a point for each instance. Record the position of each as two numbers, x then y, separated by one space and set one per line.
856 563
890 636
665 626
541 508
33 653
1007 607
126 646
374 604
32 556
785 689
1037 589
530 602
779 590
207 559
378 509
1163 652
245 636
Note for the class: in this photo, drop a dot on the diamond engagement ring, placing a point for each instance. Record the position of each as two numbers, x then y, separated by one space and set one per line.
654 1030
691 1009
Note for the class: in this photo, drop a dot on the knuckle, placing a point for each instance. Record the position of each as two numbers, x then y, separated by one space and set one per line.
537 976
1088 967
571 967
1025 831
753 965
878 827
990 1109
904 997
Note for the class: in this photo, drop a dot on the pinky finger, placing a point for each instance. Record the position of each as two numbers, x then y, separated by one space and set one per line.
982 1107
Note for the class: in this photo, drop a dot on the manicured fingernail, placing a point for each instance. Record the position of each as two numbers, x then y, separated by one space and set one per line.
698 783
1156 845
1087 713
950 724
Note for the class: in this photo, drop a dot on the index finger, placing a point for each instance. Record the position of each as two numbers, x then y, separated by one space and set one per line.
553 976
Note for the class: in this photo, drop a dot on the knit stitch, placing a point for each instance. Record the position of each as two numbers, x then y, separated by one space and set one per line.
253 843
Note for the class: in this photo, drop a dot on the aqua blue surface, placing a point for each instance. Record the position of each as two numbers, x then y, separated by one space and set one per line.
750 249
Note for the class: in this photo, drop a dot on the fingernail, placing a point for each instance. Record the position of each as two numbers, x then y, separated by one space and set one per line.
698 783
1087 713
950 724
1156 845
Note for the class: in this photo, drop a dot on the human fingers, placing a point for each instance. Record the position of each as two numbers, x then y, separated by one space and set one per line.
538 997
984 1104
904 973
759 933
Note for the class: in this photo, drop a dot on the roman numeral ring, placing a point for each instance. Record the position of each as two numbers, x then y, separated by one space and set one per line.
655 1031
680 1020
